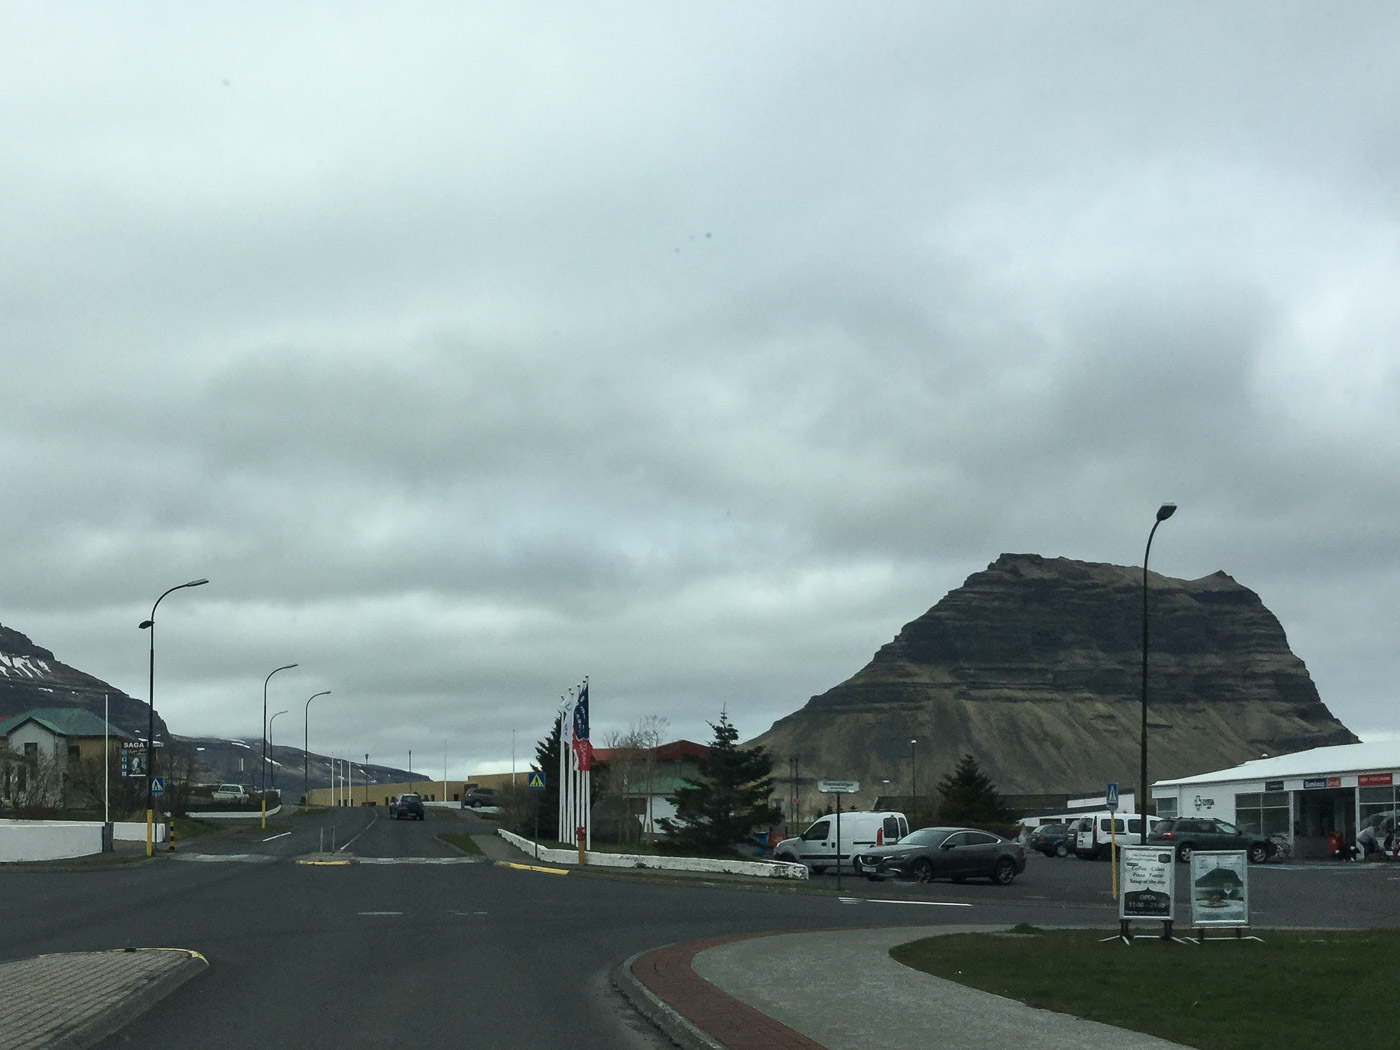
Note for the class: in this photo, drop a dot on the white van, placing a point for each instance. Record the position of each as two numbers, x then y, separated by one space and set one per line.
817 846
1095 833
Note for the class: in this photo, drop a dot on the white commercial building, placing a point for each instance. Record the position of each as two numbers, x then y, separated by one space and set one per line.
1303 796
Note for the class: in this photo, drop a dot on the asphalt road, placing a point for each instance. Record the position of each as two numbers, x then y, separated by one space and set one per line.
421 948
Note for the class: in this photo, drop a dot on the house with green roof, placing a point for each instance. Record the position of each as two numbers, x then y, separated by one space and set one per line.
45 750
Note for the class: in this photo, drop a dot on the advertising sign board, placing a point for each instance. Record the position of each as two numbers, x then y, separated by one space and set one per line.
838 787
1148 883
1219 888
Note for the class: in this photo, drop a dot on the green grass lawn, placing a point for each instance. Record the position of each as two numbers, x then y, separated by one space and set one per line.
465 843
1298 990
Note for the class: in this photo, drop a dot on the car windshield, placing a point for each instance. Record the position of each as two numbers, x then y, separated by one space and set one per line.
408 798
925 837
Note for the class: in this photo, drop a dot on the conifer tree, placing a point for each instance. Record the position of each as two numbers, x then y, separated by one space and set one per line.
729 798
970 797
547 761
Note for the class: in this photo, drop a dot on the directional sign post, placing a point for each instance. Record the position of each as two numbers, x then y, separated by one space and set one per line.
838 788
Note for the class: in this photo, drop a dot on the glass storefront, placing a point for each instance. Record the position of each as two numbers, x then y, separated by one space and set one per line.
1264 813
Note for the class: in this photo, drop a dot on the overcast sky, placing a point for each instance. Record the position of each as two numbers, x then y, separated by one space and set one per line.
469 349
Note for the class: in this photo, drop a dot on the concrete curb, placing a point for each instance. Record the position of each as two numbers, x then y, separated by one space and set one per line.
675 1027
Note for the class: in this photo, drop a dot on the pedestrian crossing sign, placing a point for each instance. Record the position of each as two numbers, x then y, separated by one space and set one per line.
535 781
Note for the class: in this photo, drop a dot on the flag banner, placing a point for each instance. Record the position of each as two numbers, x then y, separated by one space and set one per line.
583 748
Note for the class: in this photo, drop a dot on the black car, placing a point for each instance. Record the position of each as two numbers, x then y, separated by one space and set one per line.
1050 840
406 807
945 853
1186 835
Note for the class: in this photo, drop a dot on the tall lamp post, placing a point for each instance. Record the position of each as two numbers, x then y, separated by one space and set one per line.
305 741
272 757
263 787
1165 511
913 781
150 625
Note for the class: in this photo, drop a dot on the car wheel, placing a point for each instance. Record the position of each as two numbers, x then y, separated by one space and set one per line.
1183 852
1061 851
1258 853
922 870
1004 872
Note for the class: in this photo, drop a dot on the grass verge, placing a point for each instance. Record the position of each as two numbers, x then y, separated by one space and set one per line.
1297 990
465 843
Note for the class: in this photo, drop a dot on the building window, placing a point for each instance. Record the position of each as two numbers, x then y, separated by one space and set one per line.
1166 807
1264 813
31 750
1377 806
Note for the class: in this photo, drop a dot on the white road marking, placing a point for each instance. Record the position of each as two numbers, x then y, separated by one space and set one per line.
281 836
379 913
926 904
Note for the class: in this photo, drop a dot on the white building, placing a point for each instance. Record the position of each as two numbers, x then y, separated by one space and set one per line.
1303 796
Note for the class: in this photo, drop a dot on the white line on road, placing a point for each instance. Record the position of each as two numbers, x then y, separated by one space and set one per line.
380 913
926 904
281 836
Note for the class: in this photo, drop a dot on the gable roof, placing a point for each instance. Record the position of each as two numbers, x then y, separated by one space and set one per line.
676 749
66 722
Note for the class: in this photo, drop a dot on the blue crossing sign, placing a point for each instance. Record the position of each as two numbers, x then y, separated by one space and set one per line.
157 785
535 782
1112 796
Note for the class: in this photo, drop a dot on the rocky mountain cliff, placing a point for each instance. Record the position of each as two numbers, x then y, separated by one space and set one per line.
31 677
1035 667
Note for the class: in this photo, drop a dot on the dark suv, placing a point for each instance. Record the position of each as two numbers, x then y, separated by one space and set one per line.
406 807
1050 840
1186 835
476 797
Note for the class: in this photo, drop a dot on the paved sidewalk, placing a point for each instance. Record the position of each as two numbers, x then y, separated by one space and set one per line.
838 990
73 1000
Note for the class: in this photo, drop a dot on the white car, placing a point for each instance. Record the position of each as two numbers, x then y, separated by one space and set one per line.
231 793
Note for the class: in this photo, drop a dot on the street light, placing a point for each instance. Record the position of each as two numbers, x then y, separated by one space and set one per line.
1165 511
305 738
269 747
150 625
263 786
913 782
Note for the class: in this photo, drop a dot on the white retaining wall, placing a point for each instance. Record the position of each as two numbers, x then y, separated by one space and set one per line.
773 869
49 839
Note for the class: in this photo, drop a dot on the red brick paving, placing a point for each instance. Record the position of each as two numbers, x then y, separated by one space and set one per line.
667 972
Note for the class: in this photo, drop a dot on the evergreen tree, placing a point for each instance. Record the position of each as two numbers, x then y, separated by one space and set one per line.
970 797
720 809
547 762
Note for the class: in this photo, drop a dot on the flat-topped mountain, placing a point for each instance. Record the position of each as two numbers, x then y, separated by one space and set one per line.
1035 668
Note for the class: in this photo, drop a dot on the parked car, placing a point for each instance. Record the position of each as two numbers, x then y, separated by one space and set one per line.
1096 833
476 797
945 853
817 846
406 807
1186 835
1050 840
231 793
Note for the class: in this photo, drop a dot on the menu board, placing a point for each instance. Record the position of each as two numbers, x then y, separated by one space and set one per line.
1147 882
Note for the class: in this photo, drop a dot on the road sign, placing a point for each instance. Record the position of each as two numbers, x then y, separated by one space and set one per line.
535 782
157 785
838 787
1112 796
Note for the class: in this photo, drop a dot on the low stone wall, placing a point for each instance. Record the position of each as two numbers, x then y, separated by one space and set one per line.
771 869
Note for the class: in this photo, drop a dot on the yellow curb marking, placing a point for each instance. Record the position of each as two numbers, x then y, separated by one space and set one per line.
531 867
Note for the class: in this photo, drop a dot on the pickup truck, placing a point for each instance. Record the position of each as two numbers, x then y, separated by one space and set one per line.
231 793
